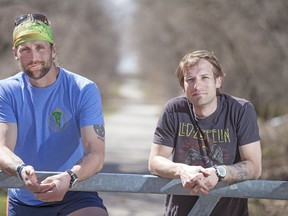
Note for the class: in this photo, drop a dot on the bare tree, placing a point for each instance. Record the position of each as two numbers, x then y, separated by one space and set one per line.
84 35
249 38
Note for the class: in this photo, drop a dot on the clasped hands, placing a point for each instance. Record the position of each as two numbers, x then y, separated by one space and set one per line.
53 188
198 180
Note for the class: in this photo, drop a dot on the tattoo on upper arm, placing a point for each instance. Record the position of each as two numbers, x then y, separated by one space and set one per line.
79 161
100 131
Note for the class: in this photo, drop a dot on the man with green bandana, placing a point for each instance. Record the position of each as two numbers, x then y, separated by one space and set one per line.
50 120
29 31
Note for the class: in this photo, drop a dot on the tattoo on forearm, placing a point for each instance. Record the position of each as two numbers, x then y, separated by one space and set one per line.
239 172
100 131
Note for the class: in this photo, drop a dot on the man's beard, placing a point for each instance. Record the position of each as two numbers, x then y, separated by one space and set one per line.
44 70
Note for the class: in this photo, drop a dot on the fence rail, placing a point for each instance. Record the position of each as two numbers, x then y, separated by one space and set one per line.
142 183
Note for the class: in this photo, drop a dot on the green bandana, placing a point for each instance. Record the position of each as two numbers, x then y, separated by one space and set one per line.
32 30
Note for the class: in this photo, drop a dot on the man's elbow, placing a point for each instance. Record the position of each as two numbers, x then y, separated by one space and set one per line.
257 172
152 167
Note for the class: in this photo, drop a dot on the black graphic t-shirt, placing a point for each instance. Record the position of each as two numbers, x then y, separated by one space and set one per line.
206 141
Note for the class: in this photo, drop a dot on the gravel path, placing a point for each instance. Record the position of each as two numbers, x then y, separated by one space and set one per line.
129 133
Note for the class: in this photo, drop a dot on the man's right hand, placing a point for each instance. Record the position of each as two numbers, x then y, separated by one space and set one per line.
31 181
193 179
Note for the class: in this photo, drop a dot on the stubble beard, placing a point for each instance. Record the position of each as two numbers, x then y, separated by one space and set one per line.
42 72
202 102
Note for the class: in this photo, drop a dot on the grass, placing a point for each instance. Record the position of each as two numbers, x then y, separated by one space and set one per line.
2 203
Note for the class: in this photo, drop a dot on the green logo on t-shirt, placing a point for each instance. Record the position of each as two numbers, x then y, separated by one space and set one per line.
57 120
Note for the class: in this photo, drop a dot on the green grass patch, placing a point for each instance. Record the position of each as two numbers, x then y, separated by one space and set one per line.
2 203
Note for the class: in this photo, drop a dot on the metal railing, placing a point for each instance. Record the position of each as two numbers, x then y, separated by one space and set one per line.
144 183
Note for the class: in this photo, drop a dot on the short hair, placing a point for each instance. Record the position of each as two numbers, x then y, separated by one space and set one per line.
192 59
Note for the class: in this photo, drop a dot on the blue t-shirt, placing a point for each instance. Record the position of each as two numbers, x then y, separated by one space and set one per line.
49 121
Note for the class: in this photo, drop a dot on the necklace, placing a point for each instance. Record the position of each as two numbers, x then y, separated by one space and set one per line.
202 139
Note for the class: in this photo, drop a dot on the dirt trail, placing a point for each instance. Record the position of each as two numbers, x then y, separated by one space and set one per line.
129 133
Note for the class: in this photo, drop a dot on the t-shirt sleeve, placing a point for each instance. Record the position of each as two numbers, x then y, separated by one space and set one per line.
91 106
247 129
165 131
6 110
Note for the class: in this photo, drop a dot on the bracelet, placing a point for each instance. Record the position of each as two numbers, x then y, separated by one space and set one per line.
73 180
19 171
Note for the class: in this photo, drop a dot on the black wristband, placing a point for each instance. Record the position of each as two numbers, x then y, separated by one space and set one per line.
73 180
19 171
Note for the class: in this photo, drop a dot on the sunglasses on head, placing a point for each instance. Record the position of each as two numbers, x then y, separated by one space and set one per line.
25 17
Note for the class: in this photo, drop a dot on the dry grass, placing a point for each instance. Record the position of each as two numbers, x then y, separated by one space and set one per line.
274 141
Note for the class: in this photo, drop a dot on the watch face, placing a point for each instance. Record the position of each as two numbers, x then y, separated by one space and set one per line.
74 183
221 171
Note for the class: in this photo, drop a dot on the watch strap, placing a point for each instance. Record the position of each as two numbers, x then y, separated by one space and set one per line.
19 171
73 179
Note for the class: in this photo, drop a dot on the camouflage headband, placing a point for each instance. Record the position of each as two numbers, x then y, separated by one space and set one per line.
32 30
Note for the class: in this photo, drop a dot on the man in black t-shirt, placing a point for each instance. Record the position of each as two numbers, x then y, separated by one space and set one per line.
210 137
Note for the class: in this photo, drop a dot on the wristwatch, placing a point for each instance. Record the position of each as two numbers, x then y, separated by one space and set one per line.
220 172
74 179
